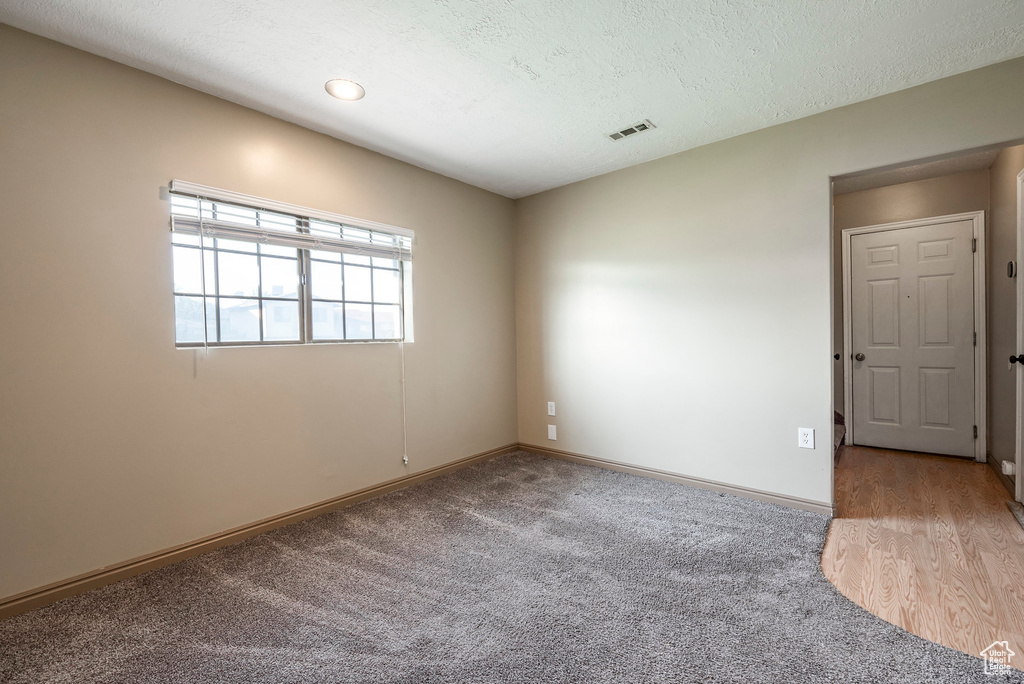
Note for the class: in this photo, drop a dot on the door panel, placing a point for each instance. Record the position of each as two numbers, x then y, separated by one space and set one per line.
885 313
935 250
937 396
885 395
884 255
936 301
912 316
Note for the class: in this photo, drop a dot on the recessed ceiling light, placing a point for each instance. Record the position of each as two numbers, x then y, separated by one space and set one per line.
344 89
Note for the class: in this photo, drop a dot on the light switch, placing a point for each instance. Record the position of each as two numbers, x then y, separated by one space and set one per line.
552 435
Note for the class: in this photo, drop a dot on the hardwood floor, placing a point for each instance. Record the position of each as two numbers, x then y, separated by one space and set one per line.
928 543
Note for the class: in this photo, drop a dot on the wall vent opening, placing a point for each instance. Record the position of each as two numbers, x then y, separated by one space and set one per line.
635 128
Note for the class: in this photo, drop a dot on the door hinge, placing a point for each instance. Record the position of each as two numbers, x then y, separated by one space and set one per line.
975 339
975 432
302 281
974 244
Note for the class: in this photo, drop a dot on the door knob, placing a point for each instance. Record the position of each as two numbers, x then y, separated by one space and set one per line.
859 357
1017 359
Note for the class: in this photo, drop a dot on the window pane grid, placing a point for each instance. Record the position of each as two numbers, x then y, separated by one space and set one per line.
256 311
230 305
373 306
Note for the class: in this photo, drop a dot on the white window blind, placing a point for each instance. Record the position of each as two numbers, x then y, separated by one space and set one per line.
217 213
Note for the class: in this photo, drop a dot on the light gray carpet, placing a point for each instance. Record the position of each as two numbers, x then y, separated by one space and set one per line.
520 569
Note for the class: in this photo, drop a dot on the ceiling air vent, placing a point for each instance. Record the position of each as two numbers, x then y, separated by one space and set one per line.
635 128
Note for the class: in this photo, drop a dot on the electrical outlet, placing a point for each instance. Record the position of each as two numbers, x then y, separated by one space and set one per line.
552 434
551 408
805 438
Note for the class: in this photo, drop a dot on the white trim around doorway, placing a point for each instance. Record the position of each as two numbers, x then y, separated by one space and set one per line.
980 356
1019 455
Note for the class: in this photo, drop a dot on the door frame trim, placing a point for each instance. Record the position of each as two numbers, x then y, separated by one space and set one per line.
980 298
1019 455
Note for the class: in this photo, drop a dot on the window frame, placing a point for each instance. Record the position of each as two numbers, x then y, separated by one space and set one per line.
304 299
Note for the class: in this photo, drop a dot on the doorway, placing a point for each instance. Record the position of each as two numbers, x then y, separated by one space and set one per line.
914 329
986 186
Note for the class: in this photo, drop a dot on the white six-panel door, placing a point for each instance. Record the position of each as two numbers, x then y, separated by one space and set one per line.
912 338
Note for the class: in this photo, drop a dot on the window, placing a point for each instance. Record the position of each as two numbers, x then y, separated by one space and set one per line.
354 297
250 275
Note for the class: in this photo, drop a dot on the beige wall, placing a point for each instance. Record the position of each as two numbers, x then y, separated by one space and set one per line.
952 194
679 311
114 444
1002 322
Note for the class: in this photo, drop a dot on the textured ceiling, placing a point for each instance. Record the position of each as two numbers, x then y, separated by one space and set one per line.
516 96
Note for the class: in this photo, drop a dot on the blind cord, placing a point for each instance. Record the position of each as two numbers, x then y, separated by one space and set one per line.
405 426
202 268
404 423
